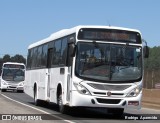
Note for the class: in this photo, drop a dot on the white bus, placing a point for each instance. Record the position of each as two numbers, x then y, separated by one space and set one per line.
87 66
12 76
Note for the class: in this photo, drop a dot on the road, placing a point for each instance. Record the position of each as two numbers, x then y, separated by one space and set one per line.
21 105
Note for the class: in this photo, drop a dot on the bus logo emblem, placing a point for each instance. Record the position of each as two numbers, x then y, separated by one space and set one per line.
109 93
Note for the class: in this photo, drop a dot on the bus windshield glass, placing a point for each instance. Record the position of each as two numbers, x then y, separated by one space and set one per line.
108 62
109 35
13 74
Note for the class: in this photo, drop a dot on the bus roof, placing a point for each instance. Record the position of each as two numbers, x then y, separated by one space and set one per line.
66 32
16 63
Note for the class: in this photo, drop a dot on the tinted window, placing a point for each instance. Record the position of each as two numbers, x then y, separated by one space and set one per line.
63 51
34 57
39 55
108 62
44 55
29 59
57 52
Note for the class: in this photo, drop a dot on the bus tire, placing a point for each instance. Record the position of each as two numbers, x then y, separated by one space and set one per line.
62 108
3 90
37 102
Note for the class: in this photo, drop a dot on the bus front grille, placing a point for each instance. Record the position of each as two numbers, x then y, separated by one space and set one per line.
109 87
108 101
12 87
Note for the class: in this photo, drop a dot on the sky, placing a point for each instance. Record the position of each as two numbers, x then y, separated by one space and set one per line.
23 22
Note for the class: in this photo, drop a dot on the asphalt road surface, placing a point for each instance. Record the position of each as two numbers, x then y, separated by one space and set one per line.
19 106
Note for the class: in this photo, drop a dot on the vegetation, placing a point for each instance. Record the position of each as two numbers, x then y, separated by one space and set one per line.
152 68
153 62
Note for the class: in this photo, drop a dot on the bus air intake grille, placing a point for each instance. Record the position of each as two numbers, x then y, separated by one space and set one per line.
109 87
12 87
108 101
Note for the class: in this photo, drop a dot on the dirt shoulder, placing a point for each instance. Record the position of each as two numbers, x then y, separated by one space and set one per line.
151 98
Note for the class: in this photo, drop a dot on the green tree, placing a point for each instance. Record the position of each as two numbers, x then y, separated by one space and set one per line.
153 62
152 68
18 58
6 58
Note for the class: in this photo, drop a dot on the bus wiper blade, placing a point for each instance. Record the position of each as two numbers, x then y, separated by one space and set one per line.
124 67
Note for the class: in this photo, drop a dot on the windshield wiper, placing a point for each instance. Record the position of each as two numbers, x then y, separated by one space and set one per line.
124 67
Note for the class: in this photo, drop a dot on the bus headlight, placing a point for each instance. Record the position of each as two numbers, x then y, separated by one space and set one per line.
81 89
21 84
135 92
4 83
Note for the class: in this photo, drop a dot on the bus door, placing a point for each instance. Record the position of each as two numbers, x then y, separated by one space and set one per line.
70 53
49 64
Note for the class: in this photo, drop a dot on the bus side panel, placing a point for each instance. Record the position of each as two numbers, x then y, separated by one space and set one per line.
28 86
42 78
58 78
37 76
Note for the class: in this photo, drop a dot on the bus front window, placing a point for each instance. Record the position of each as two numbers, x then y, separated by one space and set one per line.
11 74
108 62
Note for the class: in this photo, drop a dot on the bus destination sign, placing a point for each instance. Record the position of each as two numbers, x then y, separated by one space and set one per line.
109 35
13 66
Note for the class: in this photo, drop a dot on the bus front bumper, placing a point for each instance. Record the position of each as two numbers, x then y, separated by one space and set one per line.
102 101
12 87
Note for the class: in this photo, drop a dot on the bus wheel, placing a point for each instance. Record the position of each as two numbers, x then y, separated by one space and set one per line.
62 108
37 102
3 90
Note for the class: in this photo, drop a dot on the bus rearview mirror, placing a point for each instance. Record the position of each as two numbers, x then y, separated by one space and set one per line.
72 50
146 51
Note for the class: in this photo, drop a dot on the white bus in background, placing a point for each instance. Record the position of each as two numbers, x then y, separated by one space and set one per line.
87 66
12 76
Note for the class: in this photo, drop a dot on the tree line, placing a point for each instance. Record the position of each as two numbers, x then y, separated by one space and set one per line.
152 68
153 62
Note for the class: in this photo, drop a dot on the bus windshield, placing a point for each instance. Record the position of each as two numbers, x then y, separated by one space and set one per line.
13 74
108 62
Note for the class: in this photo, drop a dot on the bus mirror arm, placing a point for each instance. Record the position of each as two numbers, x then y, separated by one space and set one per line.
146 50
72 50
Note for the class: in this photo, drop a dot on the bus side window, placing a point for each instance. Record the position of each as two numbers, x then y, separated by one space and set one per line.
49 58
31 58
35 57
39 54
44 56
57 52
71 49
28 59
63 51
